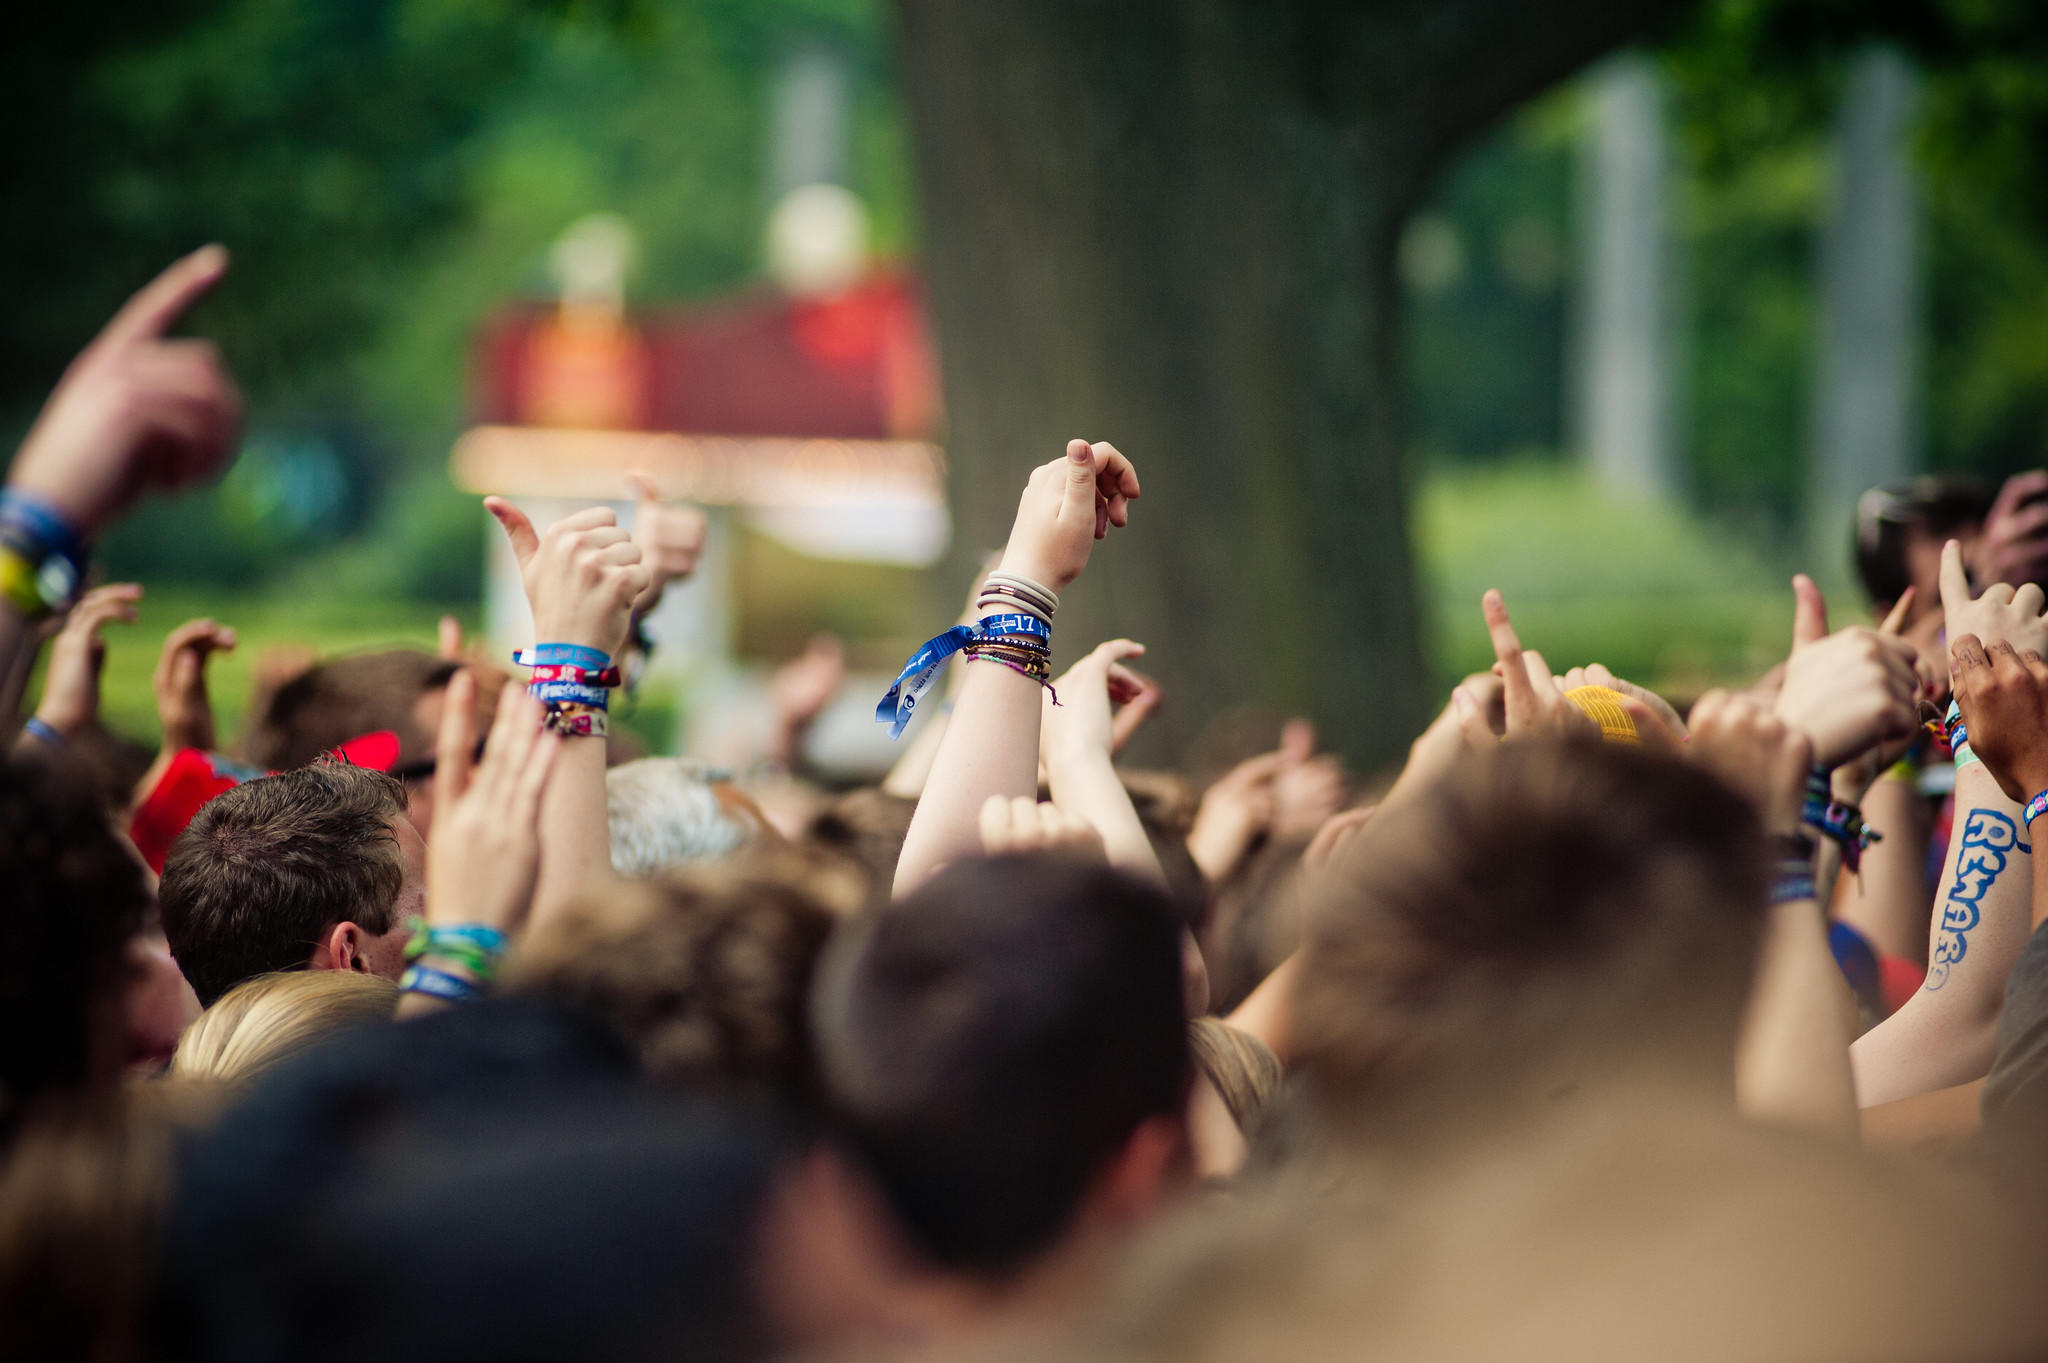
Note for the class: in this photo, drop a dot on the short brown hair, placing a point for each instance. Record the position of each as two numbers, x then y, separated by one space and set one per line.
1545 901
266 869
344 698
705 972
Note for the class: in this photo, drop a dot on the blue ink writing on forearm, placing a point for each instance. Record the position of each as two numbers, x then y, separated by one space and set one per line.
1988 838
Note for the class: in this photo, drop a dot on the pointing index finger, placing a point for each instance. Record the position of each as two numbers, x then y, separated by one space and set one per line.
1507 648
1955 583
156 307
1895 621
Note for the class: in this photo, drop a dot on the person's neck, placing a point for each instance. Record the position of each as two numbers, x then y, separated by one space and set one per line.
1051 1287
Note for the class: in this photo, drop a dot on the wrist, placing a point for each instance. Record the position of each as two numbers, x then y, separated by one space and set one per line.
1023 564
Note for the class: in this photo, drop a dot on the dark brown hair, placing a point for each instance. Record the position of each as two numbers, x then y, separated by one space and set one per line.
266 869
73 898
705 972
345 698
1546 901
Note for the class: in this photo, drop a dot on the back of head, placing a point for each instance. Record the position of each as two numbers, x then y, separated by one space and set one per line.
265 1021
991 1043
665 813
1546 905
705 973
488 1183
74 896
868 825
345 698
262 872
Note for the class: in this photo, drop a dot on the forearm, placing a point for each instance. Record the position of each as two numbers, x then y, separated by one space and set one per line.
906 779
1792 1059
1889 900
1946 1033
1933 1123
989 748
1268 1011
575 834
18 643
1086 784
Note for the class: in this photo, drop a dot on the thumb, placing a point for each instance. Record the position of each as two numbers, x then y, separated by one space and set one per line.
448 644
1298 740
1080 488
643 487
518 529
1809 612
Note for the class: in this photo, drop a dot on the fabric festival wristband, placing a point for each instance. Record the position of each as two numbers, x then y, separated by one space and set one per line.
1791 881
569 672
899 703
476 934
439 984
1965 755
597 697
1010 624
2036 807
43 523
555 655
36 727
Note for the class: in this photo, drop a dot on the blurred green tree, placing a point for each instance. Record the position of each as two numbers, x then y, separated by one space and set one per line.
1175 223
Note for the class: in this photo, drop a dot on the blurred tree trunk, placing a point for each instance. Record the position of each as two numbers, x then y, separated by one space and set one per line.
1172 224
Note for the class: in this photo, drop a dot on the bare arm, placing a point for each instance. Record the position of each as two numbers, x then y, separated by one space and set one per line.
991 746
1946 1033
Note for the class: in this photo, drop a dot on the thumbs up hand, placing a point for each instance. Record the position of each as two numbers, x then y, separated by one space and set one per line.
582 575
1847 691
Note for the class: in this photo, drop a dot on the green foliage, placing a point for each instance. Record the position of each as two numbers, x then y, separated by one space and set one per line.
1658 595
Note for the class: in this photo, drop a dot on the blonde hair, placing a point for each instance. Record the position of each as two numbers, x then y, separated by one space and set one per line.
270 1018
1243 1068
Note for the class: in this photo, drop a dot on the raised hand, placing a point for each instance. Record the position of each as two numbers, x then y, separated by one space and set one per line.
671 537
1597 674
1536 706
2004 698
1847 691
1755 752
1308 788
1021 824
1136 698
71 687
484 855
183 709
1068 505
2001 613
137 409
582 575
1083 721
2014 544
1236 811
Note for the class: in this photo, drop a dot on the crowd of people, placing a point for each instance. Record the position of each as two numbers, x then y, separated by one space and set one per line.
431 1023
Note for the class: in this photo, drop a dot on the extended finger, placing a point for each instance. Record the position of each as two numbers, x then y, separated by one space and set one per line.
1809 611
518 529
455 746
156 307
1507 649
1895 620
448 638
1955 583
643 487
